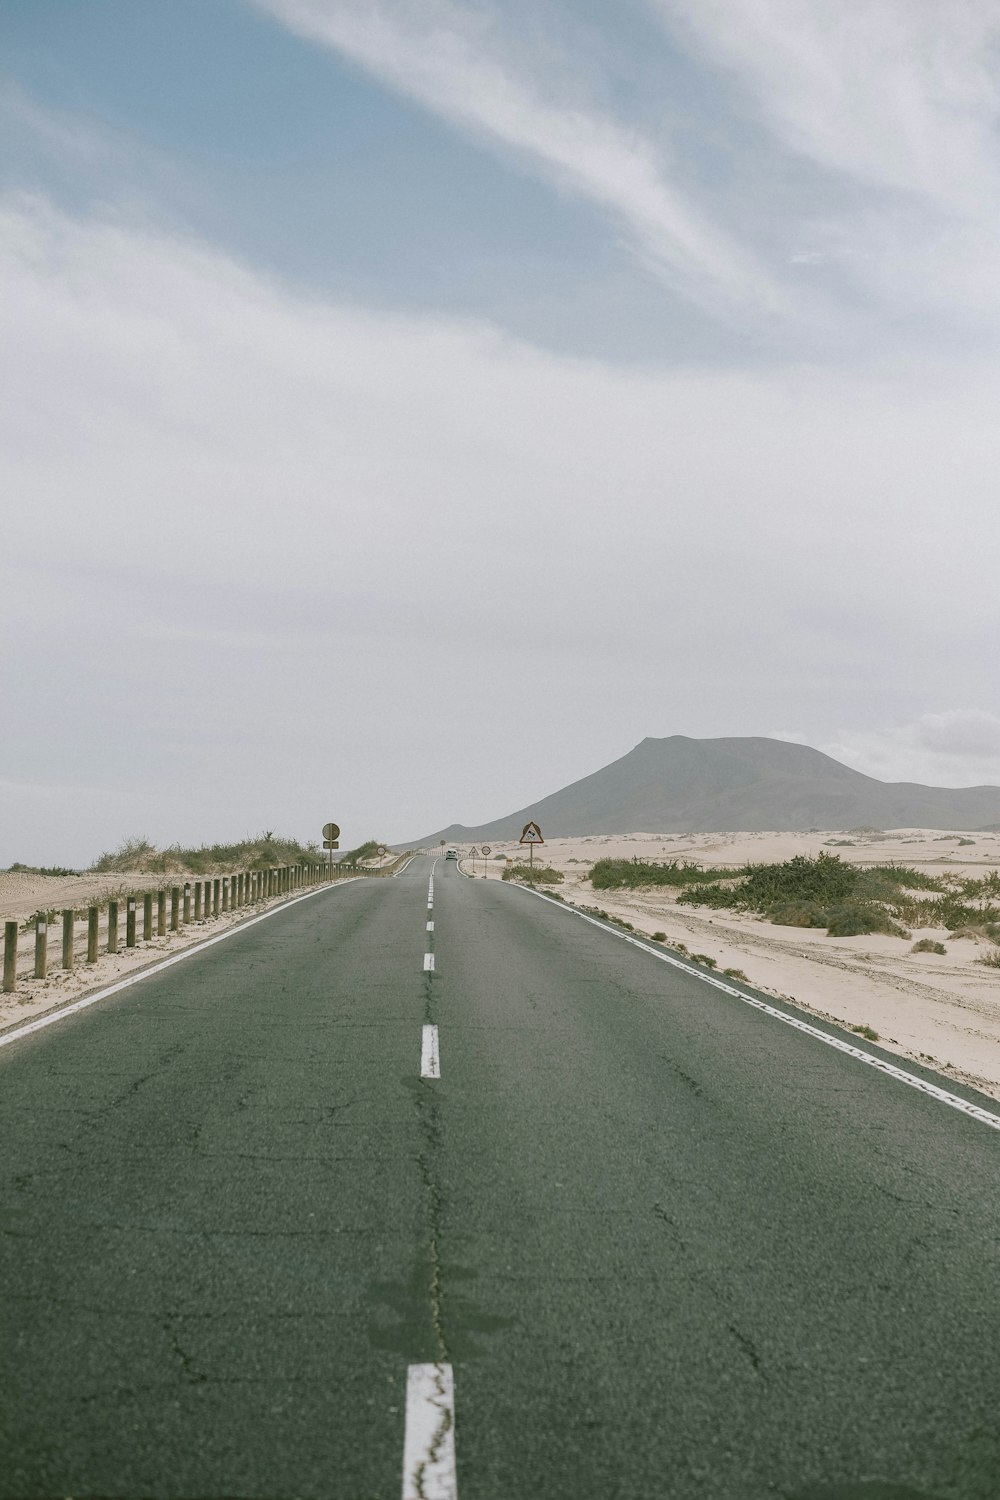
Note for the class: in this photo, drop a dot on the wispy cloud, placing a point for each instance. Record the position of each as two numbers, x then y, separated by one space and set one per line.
458 62
899 100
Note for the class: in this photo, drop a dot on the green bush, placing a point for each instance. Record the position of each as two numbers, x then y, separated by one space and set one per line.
857 917
658 937
797 914
866 1031
631 874
703 958
533 874
928 945
735 974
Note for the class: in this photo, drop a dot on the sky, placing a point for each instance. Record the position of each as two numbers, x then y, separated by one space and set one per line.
410 405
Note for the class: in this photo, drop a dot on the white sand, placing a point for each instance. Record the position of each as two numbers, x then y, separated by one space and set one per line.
940 1010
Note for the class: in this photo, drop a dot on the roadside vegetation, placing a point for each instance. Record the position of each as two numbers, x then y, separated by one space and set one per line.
624 874
367 850
843 899
19 869
138 855
533 874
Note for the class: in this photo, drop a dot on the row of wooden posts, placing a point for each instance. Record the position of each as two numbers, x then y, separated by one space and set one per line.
197 900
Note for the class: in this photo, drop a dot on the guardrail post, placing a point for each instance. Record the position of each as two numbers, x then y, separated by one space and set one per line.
197 900
215 898
9 957
161 912
112 926
147 917
130 922
175 904
187 902
93 928
69 916
225 893
41 944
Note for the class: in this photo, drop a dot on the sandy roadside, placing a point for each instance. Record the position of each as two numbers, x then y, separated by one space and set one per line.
942 1010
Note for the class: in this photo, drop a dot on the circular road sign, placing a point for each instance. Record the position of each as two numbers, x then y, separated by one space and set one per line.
331 831
486 850
382 849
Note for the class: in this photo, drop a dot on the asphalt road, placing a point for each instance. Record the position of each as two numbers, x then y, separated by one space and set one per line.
665 1245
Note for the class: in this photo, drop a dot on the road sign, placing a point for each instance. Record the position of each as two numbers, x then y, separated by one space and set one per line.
382 849
331 831
331 843
531 834
473 853
486 851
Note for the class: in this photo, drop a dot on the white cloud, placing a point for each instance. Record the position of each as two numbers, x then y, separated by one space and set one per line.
247 521
461 63
900 98
956 747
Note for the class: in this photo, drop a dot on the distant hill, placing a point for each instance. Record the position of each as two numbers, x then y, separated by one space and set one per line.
681 785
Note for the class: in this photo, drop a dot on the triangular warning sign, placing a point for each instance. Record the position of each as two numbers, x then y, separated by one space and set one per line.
531 834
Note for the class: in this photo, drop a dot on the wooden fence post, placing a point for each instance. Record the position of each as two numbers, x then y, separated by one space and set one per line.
187 902
68 918
130 922
112 926
147 917
197 900
216 896
175 905
93 928
225 893
9 957
161 912
41 944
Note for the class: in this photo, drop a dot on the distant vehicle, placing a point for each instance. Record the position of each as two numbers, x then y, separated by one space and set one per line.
451 854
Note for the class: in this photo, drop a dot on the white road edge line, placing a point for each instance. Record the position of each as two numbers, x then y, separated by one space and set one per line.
52 1016
429 1441
428 962
430 1057
402 867
954 1101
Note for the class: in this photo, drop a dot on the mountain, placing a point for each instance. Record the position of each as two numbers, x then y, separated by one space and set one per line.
681 785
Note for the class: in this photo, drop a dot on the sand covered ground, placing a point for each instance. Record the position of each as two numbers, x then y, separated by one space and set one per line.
942 1010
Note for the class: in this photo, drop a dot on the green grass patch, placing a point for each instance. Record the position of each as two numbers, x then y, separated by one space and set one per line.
866 1031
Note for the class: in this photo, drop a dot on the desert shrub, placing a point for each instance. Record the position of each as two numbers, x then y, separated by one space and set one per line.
797 914
856 917
991 959
533 874
618 874
903 877
866 1031
658 937
19 869
735 974
928 945
703 958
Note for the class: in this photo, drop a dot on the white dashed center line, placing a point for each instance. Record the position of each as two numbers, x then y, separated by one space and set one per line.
430 1057
428 962
430 926
429 1444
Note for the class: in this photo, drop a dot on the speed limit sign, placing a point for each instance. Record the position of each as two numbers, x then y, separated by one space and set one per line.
486 850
